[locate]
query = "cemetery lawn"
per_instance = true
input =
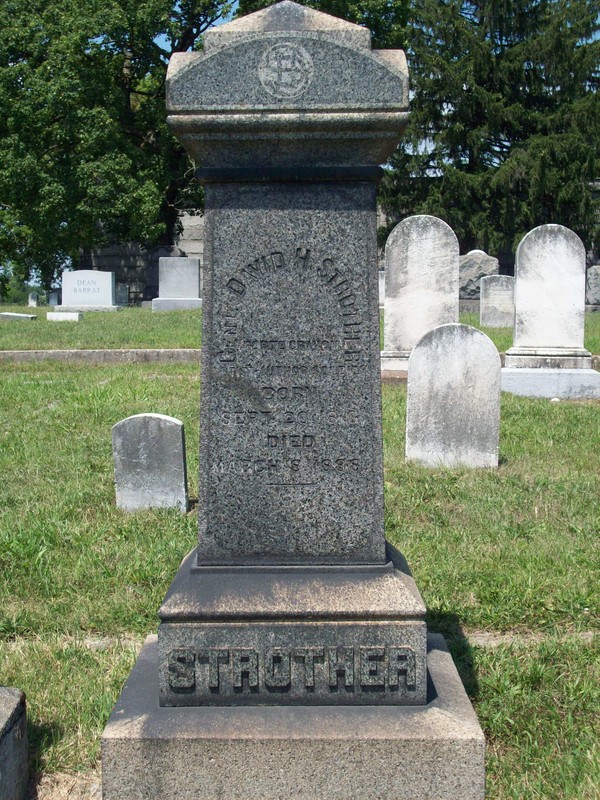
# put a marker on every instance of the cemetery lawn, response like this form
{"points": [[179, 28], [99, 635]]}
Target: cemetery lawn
{"points": [[507, 557], [129, 328], [141, 328]]}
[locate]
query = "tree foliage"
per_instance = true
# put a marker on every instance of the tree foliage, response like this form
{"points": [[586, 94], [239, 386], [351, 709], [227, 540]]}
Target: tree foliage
{"points": [[505, 119], [85, 154], [504, 131]]}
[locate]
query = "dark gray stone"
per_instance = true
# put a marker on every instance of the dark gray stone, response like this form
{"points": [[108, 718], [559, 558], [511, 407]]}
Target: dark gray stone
{"points": [[291, 471], [271, 752], [592, 295], [472, 267], [149, 458], [291, 598], [13, 744], [370, 622]]}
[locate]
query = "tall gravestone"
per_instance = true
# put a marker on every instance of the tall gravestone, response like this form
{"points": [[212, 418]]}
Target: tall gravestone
{"points": [[549, 318], [453, 399], [421, 285], [497, 304], [292, 653]]}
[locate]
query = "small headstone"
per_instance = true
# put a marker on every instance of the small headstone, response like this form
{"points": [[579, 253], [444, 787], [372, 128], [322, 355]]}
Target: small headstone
{"points": [[472, 267], [421, 285], [453, 399], [64, 316], [497, 306], [122, 294], [593, 285], [149, 457], [381, 288], [88, 290], [32, 300], [549, 301], [53, 299], [13, 744], [178, 284], [10, 316]]}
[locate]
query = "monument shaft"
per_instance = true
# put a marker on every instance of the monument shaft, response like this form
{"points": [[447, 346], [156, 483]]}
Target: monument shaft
{"points": [[291, 453]]}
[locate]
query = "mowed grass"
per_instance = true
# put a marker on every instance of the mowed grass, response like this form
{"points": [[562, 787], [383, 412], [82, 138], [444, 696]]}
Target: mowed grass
{"points": [[508, 550], [129, 328], [141, 328]]}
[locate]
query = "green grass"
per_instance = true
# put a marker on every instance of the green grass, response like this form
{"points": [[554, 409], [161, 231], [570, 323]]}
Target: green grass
{"points": [[141, 328], [514, 549], [128, 328]]}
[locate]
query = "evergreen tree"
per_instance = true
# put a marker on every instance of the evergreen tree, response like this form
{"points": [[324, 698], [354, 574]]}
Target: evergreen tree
{"points": [[505, 119]]}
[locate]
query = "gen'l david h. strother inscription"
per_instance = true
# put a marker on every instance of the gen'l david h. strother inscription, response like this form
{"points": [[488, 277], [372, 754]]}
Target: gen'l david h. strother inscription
{"points": [[289, 472]]}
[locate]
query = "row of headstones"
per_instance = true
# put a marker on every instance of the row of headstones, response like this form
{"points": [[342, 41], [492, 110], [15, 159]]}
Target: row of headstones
{"points": [[422, 277], [453, 419], [179, 288]]}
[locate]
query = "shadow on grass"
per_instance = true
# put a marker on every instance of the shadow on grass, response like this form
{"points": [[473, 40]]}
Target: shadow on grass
{"points": [[448, 624], [40, 737]]}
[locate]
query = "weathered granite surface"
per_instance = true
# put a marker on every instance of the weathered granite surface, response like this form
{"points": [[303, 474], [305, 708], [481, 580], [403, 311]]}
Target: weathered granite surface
{"points": [[13, 744], [421, 285], [149, 460], [291, 597], [497, 306], [453, 399], [549, 301], [270, 752], [472, 268]]}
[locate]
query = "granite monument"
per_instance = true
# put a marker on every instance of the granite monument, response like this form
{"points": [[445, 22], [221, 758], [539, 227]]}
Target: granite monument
{"points": [[292, 654]]}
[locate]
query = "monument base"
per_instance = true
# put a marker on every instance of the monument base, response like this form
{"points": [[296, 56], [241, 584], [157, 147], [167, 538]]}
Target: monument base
{"points": [[13, 744], [566, 384], [270, 752], [293, 635], [395, 360], [548, 358], [86, 308], [176, 303]]}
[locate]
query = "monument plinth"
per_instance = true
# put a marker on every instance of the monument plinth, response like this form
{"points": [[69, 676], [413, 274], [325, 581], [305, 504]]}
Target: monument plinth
{"points": [[292, 603]]}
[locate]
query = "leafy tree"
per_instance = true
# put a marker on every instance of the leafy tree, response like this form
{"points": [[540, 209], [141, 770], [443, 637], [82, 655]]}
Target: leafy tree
{"points": [[505, 119], [85, 154]]}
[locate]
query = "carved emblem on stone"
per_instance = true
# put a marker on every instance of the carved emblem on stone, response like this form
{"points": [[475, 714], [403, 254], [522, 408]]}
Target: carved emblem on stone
{"points": [[286, 70]]}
